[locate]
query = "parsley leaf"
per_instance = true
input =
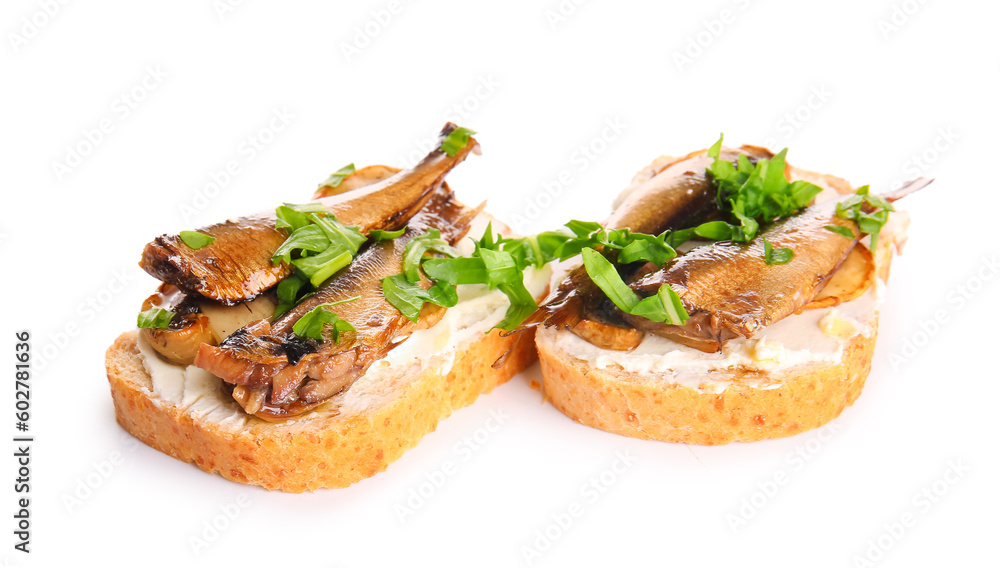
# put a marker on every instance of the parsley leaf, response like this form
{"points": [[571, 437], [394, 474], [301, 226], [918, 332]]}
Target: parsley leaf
{"points": [[313, 323], [291, 291], [420, 245], [777, 256], [456, 140], [752, 195], [665, 306], [379, 235], [317, 246], [196, 240], [337, 177], [409, 298], [461, 270], [490, 264], [647, 248], [871, 212], [840, 230], [158, 318]]}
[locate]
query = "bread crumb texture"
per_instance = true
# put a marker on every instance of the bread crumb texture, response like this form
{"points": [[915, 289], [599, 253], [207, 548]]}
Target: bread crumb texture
{"points": [[643, 406]]}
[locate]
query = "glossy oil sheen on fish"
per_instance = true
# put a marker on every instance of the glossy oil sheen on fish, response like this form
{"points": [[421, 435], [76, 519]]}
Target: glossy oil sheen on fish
{"points": [[728, 289], [297, 374], [237, 265], [678, 196]]}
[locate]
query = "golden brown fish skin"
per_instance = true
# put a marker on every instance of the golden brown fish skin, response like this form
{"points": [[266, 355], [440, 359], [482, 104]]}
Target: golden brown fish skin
{"points": [[181, 341], [360, 178], [675, 198], [237, 265], [730, 291], [300, 373]]}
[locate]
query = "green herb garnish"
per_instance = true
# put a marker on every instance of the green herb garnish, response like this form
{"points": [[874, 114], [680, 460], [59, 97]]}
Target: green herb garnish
{"points": [[870, 222], [499, 263], [313, 323], [840, 230], [418, 246], [291, 291], [777, 255], [456, 140], [337, 177], [157, 318], [490, 264], [631, 247], [522, 304], [409, 298], [462, 270], [664, 307], [379, 235], [292, 217], [318, 245], [535, 250], [752, 195], [196, 240]]}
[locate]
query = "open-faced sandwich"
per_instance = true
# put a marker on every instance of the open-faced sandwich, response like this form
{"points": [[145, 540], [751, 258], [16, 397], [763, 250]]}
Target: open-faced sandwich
{"points": [[729, 297], [312, 346]]}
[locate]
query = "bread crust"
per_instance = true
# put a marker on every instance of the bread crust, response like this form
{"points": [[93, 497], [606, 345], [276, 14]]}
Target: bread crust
{"points": [[647, 407], [305, 455]]}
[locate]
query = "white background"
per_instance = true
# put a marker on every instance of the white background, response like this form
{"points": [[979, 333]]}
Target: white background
{"points": [[926, 85]]}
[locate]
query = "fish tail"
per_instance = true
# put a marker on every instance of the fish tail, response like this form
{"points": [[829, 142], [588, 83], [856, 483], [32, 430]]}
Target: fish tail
{"points": [[909, 187]]}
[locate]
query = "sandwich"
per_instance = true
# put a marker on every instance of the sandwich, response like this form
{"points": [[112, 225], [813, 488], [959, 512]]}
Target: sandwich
{"points": [[728, 297], [311, 346]]}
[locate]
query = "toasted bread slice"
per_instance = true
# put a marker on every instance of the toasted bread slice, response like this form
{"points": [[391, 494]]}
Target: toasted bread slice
{"points": [[187, 413], [755, 389], [345, 441]]}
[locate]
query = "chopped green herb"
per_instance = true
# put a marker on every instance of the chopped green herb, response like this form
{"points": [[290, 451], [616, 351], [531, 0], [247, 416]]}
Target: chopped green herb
{"points": [[456, 140], [500, 267], [157, 318], [535, 250], [196, 240], [647, 248], [870, 212], [840, 230], [313, 323], [408, 297], [292, 217], [499, 263], [324, 265], [379, 235], [603, 273], [461, 270], [751, 194], [632, 247], [522, 304], [404, 295], [337, 177], [490, 264], [418, 246], [777, 255], [665, 306], [340, 235], [291, 291], [718, 231], [308, 238], [317, 246]]}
